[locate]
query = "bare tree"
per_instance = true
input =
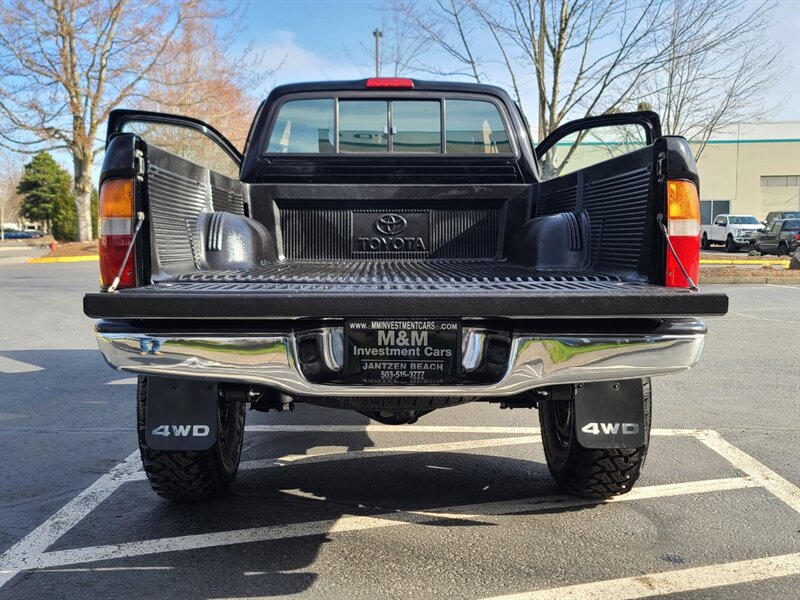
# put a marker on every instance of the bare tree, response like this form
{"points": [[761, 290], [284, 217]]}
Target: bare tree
{"points": [[10, 173], [447, 25], [202, 79], [717, 75], [589, 57], [582, 55], [65, 64], [401, 50]]}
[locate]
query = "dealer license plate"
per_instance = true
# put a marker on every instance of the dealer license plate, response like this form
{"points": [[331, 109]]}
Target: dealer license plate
{"points": [[402, 351]]}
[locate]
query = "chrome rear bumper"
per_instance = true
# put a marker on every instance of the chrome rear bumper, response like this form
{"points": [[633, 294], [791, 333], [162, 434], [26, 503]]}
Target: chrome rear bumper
{"points": [[271, 360]]}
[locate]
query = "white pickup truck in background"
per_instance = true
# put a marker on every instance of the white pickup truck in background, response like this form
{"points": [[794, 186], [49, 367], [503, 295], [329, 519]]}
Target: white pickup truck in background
{"points": [[734, 231]]}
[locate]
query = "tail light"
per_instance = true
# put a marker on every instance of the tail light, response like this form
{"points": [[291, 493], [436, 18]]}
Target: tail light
{"points": [[683, 226], [797, 237], [116, 212], [390, 82]]}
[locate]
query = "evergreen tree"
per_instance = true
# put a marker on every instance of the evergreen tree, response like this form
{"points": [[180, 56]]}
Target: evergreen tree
{"points": [[65, 217], [95, 202], [47, 197]]}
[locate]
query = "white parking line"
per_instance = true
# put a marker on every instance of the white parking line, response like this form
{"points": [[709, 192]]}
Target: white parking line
{"points": [[766, 319], [671, 582], [377, 428], [340, 455], [9, 365], [31, 553], [125, 381], [44, 536], [778, 285], [418, 449], [482, 513], [766, 477]]}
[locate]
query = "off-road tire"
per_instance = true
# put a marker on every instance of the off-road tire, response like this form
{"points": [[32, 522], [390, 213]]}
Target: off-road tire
{"points": [[193, 475], [783, 250], [730, 245], [704, 243], [590, 472]]}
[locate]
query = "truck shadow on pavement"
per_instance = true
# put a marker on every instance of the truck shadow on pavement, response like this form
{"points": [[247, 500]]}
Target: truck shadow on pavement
{"points": [[296, 495], [268, 495]]}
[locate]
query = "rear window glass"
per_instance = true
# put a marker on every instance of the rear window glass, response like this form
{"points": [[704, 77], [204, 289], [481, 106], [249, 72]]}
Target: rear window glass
{"points": [[303, 126], [363, 126], [791, 224], [416, 126], [379, 126], [475, 127]]}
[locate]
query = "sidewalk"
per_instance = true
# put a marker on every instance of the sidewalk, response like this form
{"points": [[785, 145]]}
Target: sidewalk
{"points": [[20, 255]]}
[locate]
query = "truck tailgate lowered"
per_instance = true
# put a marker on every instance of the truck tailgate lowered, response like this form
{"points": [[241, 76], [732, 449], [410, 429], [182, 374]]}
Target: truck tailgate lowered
{"points": [[235, 295]]}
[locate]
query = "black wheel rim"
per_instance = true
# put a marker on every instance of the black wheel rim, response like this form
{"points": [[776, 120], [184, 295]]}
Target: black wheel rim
{"points": [[563, 418]]}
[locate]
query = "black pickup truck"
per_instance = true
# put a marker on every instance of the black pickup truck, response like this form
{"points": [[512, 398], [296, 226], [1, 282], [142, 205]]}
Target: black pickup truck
{"points": [[781, 237], [395, 246]]}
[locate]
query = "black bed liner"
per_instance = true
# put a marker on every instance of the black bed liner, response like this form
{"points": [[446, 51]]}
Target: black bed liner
{"points": [[400, 275], [358, 288]]}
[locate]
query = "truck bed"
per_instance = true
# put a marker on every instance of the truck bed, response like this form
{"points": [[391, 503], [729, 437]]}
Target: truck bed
{"points": [[404, 275], [585, 244]]}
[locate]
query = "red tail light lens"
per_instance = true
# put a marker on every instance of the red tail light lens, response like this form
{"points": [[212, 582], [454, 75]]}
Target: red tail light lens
{"points": [[116, 231], [683, 226], [390, 82]]}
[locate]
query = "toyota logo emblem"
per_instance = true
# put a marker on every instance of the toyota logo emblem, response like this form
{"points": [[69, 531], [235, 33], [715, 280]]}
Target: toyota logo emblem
{"points": [[391, 224]]}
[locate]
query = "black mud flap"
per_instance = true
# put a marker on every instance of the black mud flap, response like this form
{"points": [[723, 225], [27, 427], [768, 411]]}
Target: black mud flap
{"points": [[610, 414], [181, 414]]}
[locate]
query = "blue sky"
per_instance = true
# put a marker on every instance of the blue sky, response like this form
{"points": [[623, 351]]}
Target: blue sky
{"points": [[322, 39], [316, 39]]}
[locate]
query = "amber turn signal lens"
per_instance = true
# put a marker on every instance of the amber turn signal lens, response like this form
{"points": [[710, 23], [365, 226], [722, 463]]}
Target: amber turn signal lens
{"points": [[116, 199], [683, 200]]}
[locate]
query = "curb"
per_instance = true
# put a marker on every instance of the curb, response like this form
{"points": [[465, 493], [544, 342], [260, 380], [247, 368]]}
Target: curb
{"points": [[733, 261], [63, 259], [755, 280]]}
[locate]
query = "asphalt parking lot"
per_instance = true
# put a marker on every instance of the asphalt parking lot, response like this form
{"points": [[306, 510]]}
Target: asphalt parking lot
{"points": [[459, 505]]}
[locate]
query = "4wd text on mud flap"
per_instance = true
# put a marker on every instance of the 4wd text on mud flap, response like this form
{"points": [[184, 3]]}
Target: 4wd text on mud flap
{"points": [[182, 430], [611, 428]]}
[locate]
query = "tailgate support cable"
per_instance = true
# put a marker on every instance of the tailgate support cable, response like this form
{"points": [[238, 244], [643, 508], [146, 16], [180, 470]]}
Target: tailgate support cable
{"points": [[692, 284], [136, 228]]}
